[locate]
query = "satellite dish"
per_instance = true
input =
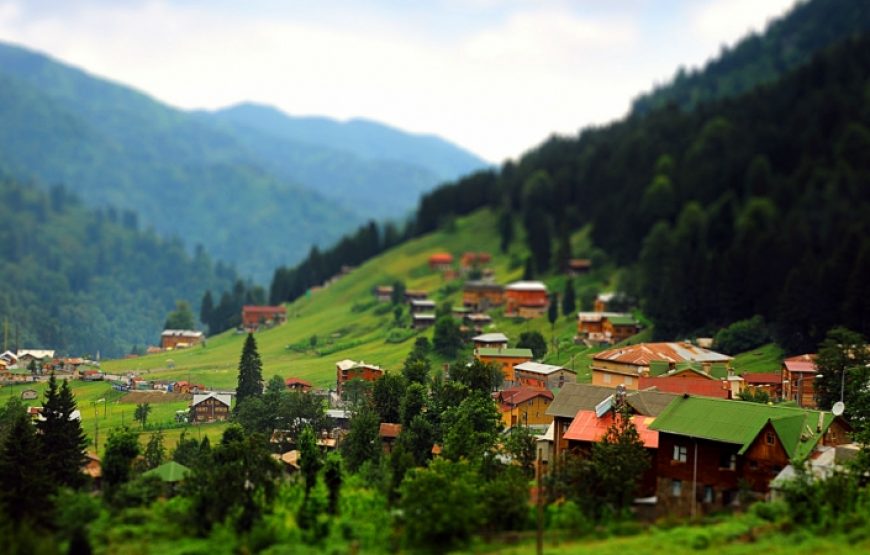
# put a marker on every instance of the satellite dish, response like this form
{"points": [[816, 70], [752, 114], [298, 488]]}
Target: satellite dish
{"points": [[838, 408]]}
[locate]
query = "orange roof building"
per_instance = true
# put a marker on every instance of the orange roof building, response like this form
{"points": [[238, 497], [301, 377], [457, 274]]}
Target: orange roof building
{"points": [[441, 261], [798, 375], [625, 365]]}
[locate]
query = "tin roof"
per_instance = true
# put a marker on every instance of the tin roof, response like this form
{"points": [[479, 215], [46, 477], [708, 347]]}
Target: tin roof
{"points": [[527, 286], [644, 353], [801, 363], [506, 353], [490, 338], [538, 368], [586, 426]]}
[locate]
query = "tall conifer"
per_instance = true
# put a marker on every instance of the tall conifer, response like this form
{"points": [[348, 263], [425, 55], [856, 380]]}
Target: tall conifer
{"points": [[250, 372], [62, 438]]}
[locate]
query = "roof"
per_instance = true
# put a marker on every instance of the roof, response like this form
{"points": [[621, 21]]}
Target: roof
{"points": [[347, 364], [538, 368], [389, 430], [422, 302], [740, 422], [527, 286], [36, 353], [181, 333], [490, 338], [586, 426], [221, 398], [801, 363], [505, 353], [516, 395], [762, 377], [296, 381], [169, 472], [694, 386], [263, 309], [578, 396], [622, 321], [441, 257], [649, 403], [644, 353], [579, 263], [479, 317], [423, 316], [606, 297]]}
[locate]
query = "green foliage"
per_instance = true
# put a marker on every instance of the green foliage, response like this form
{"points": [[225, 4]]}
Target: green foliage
{"points": [[332, 478], [416, 367], [535, 341], [755, 395], [141, 413], [521, 445], [250, 372], [477, 375], [181, 318], [122, 448], [155, 452], [447, 340], [569, 300], [843, 361], [397, 297], [413, 403], [61, 436], [361, 443], [741, 336], [25, 486], [471, 429], [387, 393], [553, 309], [309, 458]]}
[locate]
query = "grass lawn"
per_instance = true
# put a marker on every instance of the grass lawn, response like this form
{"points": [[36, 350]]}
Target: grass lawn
{"points": [[767, 358]]}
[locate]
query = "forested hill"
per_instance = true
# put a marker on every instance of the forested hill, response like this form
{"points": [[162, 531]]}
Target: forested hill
{"points": [[83, 281], [787, 43], [249, 195], [756, 204]]}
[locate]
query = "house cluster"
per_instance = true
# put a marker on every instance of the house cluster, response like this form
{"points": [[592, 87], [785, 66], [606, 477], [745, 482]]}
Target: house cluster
{"points": [[603, 326], [32, 364]]}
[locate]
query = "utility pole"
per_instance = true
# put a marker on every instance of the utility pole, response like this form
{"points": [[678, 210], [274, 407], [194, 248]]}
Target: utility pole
{"points": [[540, 534]]}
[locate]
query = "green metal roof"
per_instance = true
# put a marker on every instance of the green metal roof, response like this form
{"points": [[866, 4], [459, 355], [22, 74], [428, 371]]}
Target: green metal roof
{"points": [[515, 353], [169, 472], [740, 422], [622, 321]]}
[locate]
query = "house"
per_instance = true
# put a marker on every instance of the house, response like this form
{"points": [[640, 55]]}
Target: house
{"points": [[255, 316], [574, 397], [606, 327], [700, 386], [490, 341], [389, 433], [210, 407], [180, 339], [347, 370], [624, 365], [798, 373], [169, 472], [415, 294], [526, 299], [769, 382], [460, 311], [185, 388], [619, 328], [422, 305], [421, 321], [579, 266], [26, 356], [297, 384], [10, 358], [539, 375], [506, 359], [93, 468], [602, 301], [383, 293], [441, 261], [474, 260], [477, 320], [709, 449], [524, 406], [481, 295]]}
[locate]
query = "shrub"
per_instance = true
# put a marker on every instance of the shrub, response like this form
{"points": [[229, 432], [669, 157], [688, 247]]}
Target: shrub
{"points": [[742, 336]]}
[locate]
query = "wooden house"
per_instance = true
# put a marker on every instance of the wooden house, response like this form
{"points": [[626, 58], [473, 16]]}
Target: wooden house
{"points": [[524, 406], [383, 293], [624, 365], [388, 434], [422, 320], [40, 356], [481, 295], [798, 375], [619, 328], [477, 320], [506, 359], [9, 358], [347, 370], [256, 316], [298, 385], [602, 301], [490, 341], [699, 386], [606, 327], [180, 339], [526, 299], [441, 261], [539, 375], [769, 382], [711, 448], [471, 260], [419, 306], [415, 295], [210, 407]]}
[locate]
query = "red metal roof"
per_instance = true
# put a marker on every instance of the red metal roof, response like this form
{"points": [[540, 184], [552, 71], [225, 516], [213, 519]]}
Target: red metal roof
{"points": [[389, 430], [644, 353], [588, 427], [296, 381], [516, 395], [801, 363], [768, 378], [693, 386], [441, 257]]}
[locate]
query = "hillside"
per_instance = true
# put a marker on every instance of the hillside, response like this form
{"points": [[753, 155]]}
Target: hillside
{"points": [[787, 43], [83, 281], [190, 175]]}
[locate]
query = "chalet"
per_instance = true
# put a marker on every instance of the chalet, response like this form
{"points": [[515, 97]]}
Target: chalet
{"points": [[506, 359], [477, 320], [180, 339], [256, 316], [769, 382], [474, 260], [422, 305], [624, 365], [490, 341], [481, 295], [700, 386], [606, 327], [383, 293], [297, 384], [579, 266], [526, 299], [602, 301], [574, 397], [798, 373], [210, 407], [524, 406], [619, 328], [389, 433], [421, 321], [415, 294], [347, 370], [26, 356], [10, 358], [709, 449], [441, 261], [539, 375]]}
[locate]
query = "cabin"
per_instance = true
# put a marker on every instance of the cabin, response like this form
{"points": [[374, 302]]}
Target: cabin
{"points": [[415, 295], [347, 370], [490, 341], [602, 301], [620, 328], [478, 320], [298, 385], [474, 260], [482, 295], [549, 376], [606, 327], [422, 321], [526, 299], [39, 356], [524, 406], [798, 375], [10, 358], [441, 262], [422, 305], [210, 407], [579, 266], [255, 316], [506, 359], [769, 382], [624, 365], [180, 339], [388, 434], [710, 449], [383, 293]]}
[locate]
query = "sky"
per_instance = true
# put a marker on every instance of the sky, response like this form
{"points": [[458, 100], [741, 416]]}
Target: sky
{"points": [[494, 76]]}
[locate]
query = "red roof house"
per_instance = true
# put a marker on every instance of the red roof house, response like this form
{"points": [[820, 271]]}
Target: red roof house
{"points": [[441, 261], [253, 316], [297, 384]]}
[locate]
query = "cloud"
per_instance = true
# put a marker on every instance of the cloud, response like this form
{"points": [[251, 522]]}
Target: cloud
{"points": [[723, 21]]}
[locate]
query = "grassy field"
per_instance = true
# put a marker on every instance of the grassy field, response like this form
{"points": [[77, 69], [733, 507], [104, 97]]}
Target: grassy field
{"points": [[767, 358]]}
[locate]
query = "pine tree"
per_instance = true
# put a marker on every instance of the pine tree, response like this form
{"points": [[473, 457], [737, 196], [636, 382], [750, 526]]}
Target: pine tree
{"points": [[250, 372], [309, 458], [569, 303], [24, 488], [206, 308], [553, 310], [62, 438]]}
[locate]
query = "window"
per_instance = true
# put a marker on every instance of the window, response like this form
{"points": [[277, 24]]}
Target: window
{"points": [[728, 461], [709, 494], [680, 453], [606, 378], [770, 438], [676, 488]]}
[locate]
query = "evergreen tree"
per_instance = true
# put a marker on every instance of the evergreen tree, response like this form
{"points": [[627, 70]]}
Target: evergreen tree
{"points": [[535, 341], [569, 301], [332, 477], [181, 318], [155, 453], [206, 307], [529, 269], [62, 438], [553, 310], [505, 229], [387, 393], [447, 338], [250, 372], [361, 443], [25, 486], [141, 413], [121, 449], [309, 458]]}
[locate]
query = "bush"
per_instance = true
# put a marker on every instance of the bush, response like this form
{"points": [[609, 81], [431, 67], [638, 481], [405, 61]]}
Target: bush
{"points": [[742, 336], [399, 335]]}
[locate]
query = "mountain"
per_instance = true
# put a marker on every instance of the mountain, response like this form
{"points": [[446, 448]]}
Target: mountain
{"points": [[88, 281], [787, 43], [190, 175]]}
